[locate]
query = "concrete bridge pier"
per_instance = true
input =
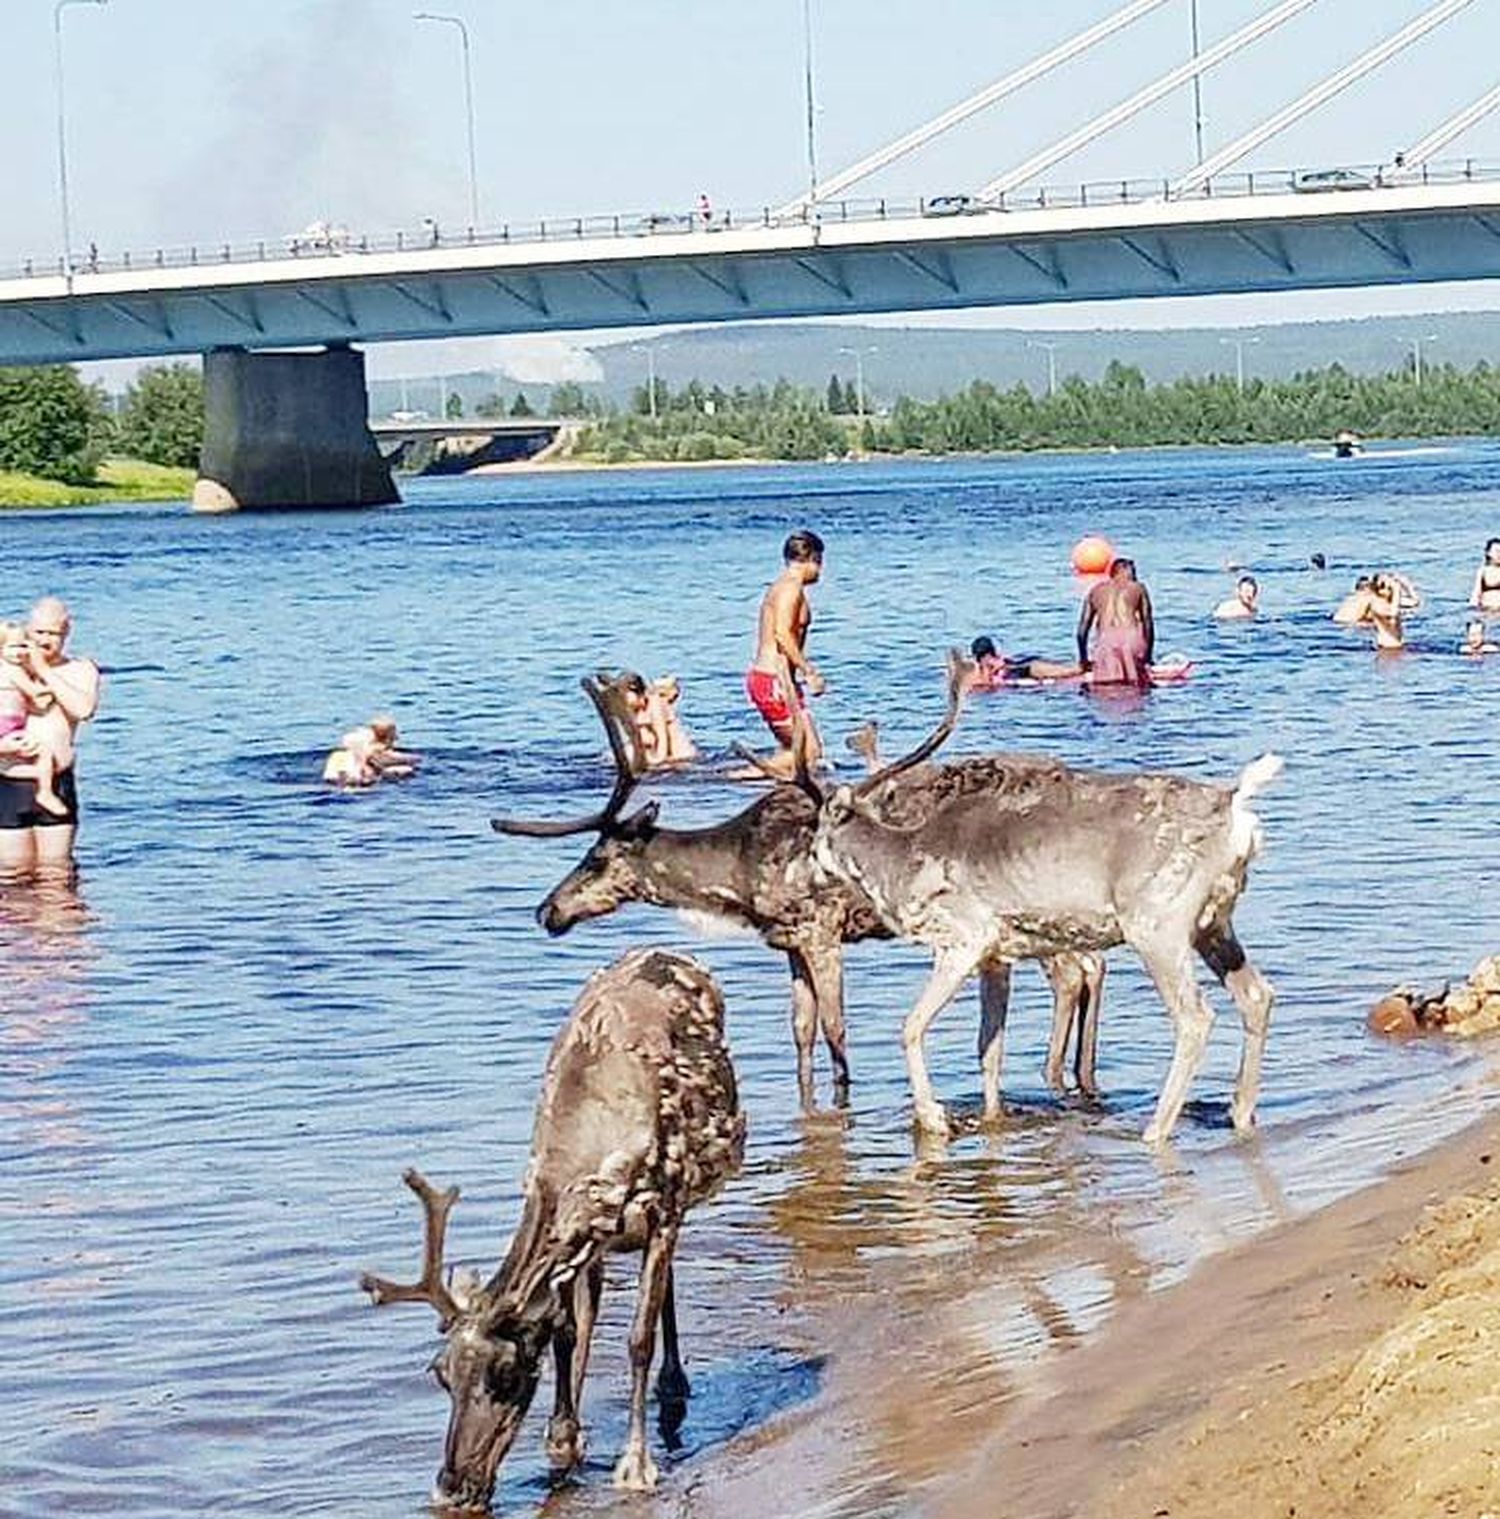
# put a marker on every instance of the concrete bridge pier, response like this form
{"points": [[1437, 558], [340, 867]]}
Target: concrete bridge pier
{"points": [[288, 430]]}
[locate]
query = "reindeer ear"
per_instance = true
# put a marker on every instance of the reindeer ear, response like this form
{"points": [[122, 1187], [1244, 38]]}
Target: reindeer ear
{"points": [[838, 807], [639, 823]]}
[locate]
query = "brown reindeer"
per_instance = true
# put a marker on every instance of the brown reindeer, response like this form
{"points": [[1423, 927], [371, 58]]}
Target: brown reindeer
{"points": [[638, 1121], [757, 871], [1005, 857]]}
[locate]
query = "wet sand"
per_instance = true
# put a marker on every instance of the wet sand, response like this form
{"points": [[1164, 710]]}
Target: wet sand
{"points": [[1346, 1363]]}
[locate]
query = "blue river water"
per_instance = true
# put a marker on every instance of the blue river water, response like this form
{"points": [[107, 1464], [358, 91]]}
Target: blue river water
{"points": [[265, 1000]]}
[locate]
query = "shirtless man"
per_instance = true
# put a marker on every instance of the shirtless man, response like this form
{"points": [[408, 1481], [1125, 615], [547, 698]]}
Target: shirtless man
{"points": [[781, 669], [1243, 604], [32, 840], [1126, 639]]}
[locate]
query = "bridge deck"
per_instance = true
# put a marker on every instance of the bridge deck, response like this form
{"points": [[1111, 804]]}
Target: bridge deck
{"points": [[1391, 233]]}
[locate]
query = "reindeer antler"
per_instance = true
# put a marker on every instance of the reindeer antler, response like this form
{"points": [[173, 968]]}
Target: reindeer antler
{"points": [[960, 681], [619, 728], [431, 1288]]}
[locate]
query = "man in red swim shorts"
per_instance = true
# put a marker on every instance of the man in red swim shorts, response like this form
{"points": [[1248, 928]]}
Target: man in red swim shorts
{"points": [[781, 668]]}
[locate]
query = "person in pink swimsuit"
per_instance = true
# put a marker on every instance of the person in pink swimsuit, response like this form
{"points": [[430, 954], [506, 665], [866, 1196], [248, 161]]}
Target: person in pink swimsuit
{"points": [[1118, 612]]}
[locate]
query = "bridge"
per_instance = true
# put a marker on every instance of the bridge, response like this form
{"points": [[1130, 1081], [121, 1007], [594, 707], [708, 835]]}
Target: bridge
{"points": [[278, 418]]}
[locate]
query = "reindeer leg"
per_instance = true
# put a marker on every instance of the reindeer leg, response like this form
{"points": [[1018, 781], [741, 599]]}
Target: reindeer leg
{"points": [[804, 1023], [1062, 973], [994, 1007], [1192, 1018], [1086, 1060], [1253, 996], [564, 1446], [636, 1471], [565, 1443], [950, 969], [827, 968], [672, 1385]]}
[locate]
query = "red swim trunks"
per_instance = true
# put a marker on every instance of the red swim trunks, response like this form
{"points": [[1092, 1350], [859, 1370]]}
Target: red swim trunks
{"points": [[769, 699]]}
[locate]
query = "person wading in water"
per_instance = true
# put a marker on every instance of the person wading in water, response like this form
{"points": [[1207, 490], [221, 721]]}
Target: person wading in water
{"points": [[1120, 609]]}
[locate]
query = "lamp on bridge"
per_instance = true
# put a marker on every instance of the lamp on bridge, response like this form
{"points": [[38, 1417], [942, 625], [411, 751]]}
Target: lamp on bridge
{"points": [[463, 32], [62, 128]]}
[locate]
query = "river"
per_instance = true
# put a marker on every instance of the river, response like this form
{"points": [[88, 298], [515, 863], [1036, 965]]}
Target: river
{"points": [[265, 1000]]}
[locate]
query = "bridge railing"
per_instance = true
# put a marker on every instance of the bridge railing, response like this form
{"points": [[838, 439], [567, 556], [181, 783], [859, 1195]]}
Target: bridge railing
{"points": [[333, 242]]}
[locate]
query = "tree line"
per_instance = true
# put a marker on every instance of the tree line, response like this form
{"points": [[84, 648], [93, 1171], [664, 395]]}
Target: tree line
{"points": [[54, 425]]}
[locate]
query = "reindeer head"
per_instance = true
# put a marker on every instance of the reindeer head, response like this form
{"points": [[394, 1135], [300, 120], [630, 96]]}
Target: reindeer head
{"points": [[489, 1364], [609, 874]]}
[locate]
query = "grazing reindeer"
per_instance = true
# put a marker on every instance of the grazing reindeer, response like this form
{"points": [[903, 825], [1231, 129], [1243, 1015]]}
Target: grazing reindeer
{"points": [[757, 871], [1005, 857], [637, 1122]]}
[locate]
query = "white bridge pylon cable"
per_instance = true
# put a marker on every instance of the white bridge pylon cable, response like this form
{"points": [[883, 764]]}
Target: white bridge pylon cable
{"points": [[1366, 63], [920, 136], [1440, 136], [1065, 147]]}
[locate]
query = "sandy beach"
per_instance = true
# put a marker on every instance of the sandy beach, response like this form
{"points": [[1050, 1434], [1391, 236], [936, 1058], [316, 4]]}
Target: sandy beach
{"points": [[1344, 1364]]}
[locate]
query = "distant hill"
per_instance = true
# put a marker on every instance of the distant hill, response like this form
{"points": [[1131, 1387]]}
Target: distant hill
{"points": [[925, 362]]}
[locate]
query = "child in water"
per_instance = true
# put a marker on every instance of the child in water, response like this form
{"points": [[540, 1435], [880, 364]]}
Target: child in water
{"points": [[367, 754], [22, 697], [1475, 642]]}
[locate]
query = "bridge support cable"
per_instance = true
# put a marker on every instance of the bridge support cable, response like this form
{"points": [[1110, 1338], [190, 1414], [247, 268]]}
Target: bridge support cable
{"points": [[1320, 93], [1065, 147], [1440, 136], [830, 188]]}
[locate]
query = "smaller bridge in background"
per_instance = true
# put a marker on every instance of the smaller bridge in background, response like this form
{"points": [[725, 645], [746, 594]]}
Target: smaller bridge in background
{"points": [[456, 444]]}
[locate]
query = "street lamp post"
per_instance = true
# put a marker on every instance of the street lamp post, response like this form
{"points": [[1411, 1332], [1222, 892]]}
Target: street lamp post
{"points": [[463, 32], [812, 107], [1239, 359], [857, 354], [1416, 354], [62, 128], [1051, 362]]}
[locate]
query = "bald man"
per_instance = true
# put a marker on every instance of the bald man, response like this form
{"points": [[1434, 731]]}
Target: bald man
{"points": [[32, 840]]}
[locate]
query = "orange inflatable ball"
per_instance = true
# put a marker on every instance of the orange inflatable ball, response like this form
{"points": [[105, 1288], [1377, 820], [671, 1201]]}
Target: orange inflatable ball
{"points": [[1092, 556]]}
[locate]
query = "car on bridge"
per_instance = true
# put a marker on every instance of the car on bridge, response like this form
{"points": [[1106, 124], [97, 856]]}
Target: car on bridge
{"points": [[1315, 180], [663, 221], [955, 205], [318, 237]]}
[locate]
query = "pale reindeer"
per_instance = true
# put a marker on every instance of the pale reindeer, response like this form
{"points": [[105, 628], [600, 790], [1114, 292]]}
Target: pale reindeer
{"points": [[1005, 857], [638, 1121], [757, 871]]}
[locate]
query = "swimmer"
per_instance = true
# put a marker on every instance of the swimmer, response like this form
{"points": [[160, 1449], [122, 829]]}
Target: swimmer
{"points": [[658, 729], [1386, 601], [994, 669], [1475, 642], [23, 698], [1485, 597], [666, 690], [1243, 604], [368, 754], [1120, 607], [1354, 609]]}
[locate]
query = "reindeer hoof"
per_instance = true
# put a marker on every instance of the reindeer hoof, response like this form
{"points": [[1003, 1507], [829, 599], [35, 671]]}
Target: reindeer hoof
{"points": [[933, 1121], [564, 1445], [1244, 1123], [635, 1472]]}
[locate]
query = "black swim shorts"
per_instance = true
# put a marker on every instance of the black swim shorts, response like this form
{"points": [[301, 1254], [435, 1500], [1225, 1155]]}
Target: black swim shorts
{"points": [[18, 808]]}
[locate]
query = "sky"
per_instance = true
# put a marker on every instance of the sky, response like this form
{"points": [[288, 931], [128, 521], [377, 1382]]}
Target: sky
{"points": [[206, 120]]}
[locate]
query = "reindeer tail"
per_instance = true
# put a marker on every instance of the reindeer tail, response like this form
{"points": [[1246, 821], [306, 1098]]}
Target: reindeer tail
{"points": [[1245, 830]]}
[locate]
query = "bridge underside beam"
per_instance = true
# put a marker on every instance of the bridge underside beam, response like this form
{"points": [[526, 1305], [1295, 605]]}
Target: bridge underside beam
{"points": [[288, 430], [1005, 259]]}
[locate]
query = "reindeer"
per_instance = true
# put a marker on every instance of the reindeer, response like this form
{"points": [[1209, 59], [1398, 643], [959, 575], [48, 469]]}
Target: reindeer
{"points": [[1007, 857], [757, 871], [637, 1122]]}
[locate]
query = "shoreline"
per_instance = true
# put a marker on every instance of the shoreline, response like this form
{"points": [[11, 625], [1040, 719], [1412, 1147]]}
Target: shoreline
{"points": [[1250, 1381]]}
